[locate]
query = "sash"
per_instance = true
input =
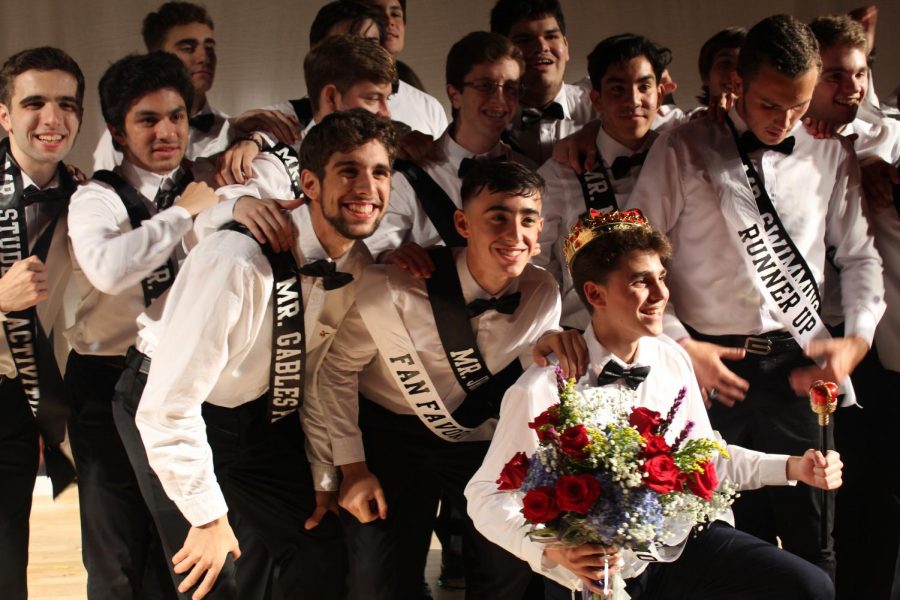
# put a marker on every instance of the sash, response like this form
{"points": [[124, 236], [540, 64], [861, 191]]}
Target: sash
{"points": [[303, 108], [287, 366], [597, 189], [290, 160], [32, 352], [435, 202], [781, 274], [157, 282]]}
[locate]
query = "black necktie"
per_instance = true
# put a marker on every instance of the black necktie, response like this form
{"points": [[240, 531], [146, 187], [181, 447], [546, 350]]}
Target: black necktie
{"points": [[33, 195], [623, 164], [554, 110], [332, 279], [613, 371], [203, 122], [504, 304], [171, 187], [751, 143], [466, 164]]}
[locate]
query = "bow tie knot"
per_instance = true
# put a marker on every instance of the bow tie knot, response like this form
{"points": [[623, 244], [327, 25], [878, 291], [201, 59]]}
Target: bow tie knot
{"points": [[203, 122], [530, 116], [613, 371], [33, 195], [623, 164], [506, 305], [750, 143], [332, 279]]}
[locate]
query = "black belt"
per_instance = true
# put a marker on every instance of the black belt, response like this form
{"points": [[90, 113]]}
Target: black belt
{"points": [[138, 361], [764, 344]]}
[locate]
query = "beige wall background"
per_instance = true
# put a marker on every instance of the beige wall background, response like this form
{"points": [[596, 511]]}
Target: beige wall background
{"points": [[261, 44]]}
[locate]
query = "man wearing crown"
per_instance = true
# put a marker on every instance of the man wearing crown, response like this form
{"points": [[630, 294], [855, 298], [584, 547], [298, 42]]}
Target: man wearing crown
{"points": [[618, 265]]}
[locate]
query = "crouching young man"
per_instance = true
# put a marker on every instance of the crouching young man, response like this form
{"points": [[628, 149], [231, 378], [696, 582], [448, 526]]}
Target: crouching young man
{"points": [[617, 264]]}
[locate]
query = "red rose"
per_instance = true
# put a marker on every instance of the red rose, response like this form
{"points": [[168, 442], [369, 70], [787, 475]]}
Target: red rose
{"points": [[513, 473], [656, 444], [577, 492], [662, 474], [644, 420], [540, 505], [705, 483], [573, 441], [548, 417]]}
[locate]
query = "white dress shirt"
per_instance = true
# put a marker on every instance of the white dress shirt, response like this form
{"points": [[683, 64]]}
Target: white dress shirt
{"points": [[817, 193], [563, 203], [200, 143], [213, 344], [421, 111], [536, 140], [497, 515], [669, 116], [405, 220], [353, 365]]}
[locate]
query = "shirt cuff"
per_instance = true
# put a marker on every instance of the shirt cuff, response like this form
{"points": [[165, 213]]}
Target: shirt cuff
{"points": [[324, 476], [178, 216], [773, 470], [203, 508], [348, 450], [862, 324]]}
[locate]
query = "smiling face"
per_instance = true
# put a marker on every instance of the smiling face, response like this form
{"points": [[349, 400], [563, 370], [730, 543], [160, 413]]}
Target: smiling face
{"points": [[502, 232], [627, 101], [546, 53], [42, 119], [485, 113], [771, 103], [841, 86], [195, 46], [155, 134]]}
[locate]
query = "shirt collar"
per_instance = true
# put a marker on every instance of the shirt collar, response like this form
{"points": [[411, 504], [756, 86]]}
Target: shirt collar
{"points": [[455, 153], [610, 149], [53, 183], [600, 355], [470, 288], [308, 245], [145, 182]]}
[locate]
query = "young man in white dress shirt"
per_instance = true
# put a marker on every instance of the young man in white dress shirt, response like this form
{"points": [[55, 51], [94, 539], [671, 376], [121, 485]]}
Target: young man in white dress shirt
{"points": [[618, 265], [244, 375], [625, 71], [550, 109], [746, 276], [41, 93], [406, 423]]}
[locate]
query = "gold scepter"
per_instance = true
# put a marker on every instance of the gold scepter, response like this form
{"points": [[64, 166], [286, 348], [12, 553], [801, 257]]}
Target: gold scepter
{"points": [[823, 399]]}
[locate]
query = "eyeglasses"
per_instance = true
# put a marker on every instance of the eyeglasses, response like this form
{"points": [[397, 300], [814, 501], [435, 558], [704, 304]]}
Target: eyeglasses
{"points": [[511, 89]]}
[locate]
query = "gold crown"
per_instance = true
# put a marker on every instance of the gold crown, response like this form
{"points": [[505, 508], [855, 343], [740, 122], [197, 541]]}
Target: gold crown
{"points": [[592, 225]]}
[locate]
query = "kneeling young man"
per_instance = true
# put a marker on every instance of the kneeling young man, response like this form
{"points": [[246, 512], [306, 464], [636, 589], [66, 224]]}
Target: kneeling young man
{"points": [[617, 264]]}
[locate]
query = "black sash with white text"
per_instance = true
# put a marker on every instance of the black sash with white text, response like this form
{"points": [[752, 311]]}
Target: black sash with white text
{"points": [[157, 282], [484, 389], [597, 189], [435, 202], [290, 160]]}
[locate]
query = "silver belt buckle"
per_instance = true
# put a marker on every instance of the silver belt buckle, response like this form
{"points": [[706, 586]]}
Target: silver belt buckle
{"points": [[758, 345]]}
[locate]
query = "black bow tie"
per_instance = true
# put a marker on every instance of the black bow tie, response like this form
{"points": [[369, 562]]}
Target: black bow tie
{"points": [[623, 164], [203, 122], [751, 143], [33, 195], [613, 371], [466, 164], [332, 279], [172, 187], [554, 110], [504, 304]]}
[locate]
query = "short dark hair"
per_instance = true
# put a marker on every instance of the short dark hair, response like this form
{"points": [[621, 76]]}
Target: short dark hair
{"points": [[157, 24], [622, 48], [343, 61], [597, 259], [355, 11], [44, 58], [402, 6], [839, 30], [344, 131], [505, 177], [507, 13], [476, 48], [781, 42], [732, 37], [129, 79]]}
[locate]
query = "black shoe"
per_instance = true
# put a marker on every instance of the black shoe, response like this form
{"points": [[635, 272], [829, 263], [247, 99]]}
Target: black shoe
{"points": [[426, 591]]}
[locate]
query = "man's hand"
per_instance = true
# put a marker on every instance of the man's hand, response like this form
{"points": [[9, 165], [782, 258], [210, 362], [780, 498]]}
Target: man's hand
{"points": [[76, 173], [841, 356], [816, 470], [196, 198], [268, 220], [24, 285], [570, 350], [877, 179], [579, 150], [286, 128], [411, 257], [360, 490], [719, 106], [205, 550], [235, 165], [820, 129], [712, 374], [415, 146], [586, 561], [325, 502]]}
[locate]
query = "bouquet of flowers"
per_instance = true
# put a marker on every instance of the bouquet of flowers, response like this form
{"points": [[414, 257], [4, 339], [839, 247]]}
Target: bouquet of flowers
{"points": [[610, 474]]}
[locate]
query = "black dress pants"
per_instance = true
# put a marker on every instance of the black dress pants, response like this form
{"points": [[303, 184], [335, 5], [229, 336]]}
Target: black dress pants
{"points": [[265, 477], [120, 546], [19, 457], [387, 557]]}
